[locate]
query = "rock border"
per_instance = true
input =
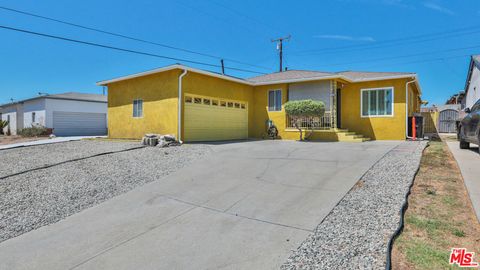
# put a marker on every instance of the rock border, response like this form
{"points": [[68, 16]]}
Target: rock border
{"points": [[357, 233]]}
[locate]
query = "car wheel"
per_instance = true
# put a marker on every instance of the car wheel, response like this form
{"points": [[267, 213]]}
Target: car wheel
{"points": [[478, 143], [463, 143]]}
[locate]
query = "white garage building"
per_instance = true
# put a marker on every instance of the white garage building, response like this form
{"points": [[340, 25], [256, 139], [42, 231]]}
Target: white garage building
{"points": [[68, 114]]}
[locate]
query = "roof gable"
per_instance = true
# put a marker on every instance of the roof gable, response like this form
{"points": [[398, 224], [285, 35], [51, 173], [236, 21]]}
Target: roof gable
{"points": [[290, 76]]}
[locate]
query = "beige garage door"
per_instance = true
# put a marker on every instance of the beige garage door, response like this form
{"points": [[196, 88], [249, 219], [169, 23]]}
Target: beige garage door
{"points": [[214, 119]]}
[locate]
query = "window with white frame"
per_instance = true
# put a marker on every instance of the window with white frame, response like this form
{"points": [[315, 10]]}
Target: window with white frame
{"points": [[275, 100], [377, 102], [138, 108]]}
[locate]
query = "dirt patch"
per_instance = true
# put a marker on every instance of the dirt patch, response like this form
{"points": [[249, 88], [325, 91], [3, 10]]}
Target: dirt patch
{"points": [[18, 139], [439, 216]]}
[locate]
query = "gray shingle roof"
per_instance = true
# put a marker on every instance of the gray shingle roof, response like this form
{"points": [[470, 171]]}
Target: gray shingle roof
{"points": [[289, 75], [79, 96], [67, 96], [306, 74], [476, 59], [362, 75]]}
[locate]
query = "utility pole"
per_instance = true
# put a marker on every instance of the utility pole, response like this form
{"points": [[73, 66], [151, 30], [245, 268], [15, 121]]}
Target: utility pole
{"points": [[280, 48]]}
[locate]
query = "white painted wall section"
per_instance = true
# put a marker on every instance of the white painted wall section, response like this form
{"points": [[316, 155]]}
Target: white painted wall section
{"points": [[11, 114], [36, 107], [59, 105]]}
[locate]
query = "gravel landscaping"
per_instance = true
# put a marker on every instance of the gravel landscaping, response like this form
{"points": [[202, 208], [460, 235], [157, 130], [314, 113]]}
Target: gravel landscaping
{"points": [[41, 197], [27, 158], [356, 233]]}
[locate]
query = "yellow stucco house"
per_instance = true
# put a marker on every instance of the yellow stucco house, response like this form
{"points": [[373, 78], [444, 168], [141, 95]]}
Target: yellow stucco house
{"points": [[199, 105]]}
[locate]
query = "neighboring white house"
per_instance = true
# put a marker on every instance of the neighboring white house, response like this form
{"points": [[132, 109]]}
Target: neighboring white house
{"points": [[472, 85], [68, 114]]}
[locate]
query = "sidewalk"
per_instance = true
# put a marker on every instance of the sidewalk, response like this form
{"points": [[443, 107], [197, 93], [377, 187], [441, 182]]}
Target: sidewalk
{"points": [[47, 141], [469, 162]]}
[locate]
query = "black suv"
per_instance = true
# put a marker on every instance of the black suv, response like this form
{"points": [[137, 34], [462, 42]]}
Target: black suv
{"points": [[469, 127]]}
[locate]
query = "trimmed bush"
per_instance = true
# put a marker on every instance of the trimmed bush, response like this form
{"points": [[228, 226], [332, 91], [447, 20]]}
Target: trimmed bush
{"points": [[303, 108], [297, 109], [33, 131]]}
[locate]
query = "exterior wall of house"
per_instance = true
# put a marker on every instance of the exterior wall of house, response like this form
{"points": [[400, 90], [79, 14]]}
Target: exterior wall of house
{"points": [[34, 106], [413, 100], [262, 114], [64, 105], [15, 114], [473, 91], [159, 93], [378, 128]]}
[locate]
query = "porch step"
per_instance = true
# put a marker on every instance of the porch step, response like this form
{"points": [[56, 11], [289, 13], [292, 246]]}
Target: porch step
{"points": [[344, 135]]}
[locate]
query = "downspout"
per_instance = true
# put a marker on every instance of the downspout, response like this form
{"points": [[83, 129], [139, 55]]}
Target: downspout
{"points": [[180, 101], [406, 108]]}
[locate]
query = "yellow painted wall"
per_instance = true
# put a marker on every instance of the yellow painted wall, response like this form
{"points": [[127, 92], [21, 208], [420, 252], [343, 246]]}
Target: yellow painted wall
{"points": [[261, 113], [377, 128], [159, 93]]}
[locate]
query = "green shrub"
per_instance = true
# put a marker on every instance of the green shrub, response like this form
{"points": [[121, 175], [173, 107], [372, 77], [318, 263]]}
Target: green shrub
{"points": [[33, 131], [3, 124], [297, 109], [303, 108]]}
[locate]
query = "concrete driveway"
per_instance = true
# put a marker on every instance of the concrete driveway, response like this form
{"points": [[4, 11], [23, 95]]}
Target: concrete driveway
{"points": [[247, 206]]}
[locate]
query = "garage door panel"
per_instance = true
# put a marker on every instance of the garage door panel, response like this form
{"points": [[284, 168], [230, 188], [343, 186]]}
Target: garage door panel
{"points": [[210, 122], [79, 124]]}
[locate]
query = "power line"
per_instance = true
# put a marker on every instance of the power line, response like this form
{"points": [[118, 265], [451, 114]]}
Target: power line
{"points": [[405, 56], [430, 60], [124, 50], [241, 14], [395, 42], [129, 37]]}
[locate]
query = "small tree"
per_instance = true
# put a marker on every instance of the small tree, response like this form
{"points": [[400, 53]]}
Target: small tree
{"points": [[299, 109], [3, 124]]}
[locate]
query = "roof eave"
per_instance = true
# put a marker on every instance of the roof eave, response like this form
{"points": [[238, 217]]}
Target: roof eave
{"points": [[405, 76], [172, 67], [301, 80]]}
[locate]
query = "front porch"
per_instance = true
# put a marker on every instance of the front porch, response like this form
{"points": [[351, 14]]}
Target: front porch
{"points": [[328, 127]]}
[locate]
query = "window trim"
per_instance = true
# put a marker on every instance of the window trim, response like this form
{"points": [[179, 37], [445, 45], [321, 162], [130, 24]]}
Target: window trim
{"points": [[274, 98], [377, 88], [133, 105]]}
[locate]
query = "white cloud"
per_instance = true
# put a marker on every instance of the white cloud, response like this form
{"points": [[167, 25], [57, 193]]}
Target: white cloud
{"points": [[438, 8], [343, 37]]}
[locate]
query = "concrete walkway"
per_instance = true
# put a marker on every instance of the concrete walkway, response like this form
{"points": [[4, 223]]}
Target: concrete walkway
{"points": [[47, 141], [469, 162], [246, 206]]}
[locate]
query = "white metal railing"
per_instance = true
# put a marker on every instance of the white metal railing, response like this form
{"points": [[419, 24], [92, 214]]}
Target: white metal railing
{"points": [[318, 123]]}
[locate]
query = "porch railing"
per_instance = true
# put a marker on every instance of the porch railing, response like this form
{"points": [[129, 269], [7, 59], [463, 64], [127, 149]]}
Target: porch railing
{"points": [[318, 123]]}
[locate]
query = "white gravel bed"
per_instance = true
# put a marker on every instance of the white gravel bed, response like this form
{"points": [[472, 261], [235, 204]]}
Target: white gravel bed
{"points": [[356, 233], [41, 197], [17, 160]]}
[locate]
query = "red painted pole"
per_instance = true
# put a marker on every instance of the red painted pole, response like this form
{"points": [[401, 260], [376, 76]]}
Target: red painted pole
{"points": [[414, 129]]}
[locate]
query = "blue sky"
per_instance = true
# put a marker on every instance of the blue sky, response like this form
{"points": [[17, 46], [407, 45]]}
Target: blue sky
{"points": [[240, 30]]}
